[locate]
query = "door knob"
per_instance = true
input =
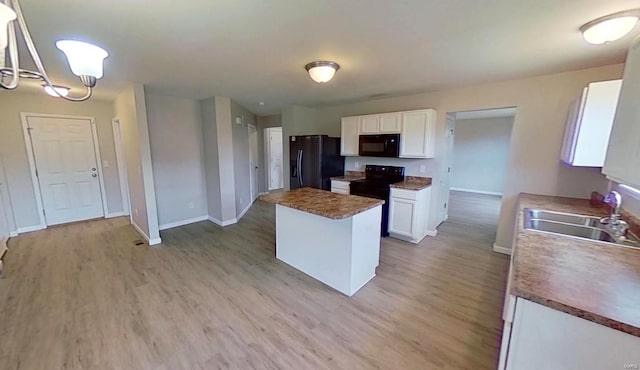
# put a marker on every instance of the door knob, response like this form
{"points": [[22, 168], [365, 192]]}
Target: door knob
{"points": [[93, 169], [94, 175]]}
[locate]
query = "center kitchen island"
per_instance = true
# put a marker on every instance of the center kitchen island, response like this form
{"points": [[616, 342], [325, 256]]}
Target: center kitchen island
{"points": [[334, 238]]}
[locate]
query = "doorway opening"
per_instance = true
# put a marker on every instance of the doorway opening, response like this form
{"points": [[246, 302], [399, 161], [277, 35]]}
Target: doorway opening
{"points": [[273, 158], [66, 167], [478, 145]]}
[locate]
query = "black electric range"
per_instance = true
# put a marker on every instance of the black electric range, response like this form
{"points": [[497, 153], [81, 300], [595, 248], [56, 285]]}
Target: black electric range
{"points": [[376, 185]]}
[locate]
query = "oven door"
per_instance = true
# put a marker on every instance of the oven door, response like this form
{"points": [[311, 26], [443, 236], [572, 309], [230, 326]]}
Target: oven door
{"points": [[379, 145]]}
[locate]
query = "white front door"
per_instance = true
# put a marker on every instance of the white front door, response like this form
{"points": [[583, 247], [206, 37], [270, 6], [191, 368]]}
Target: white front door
{"points": [[253, 161], [66, 168], [276, 179]]}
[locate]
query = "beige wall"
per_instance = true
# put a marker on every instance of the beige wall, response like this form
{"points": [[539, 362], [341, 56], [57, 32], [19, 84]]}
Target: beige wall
{"points": [[13, 150], [175, 133], [300, 120], [534, 165], [480, 154], [130, 108]]}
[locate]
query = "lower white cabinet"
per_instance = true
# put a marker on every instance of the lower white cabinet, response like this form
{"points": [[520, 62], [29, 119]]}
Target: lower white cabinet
{"points": [[544, 338], [340, 187], [409, 214]]}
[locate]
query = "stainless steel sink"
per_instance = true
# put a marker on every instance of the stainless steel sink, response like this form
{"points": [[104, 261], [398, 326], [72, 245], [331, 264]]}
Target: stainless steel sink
{"points": [[567, 218], [578, 226]]}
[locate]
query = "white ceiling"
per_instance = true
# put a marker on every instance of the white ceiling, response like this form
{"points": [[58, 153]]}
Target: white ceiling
{"points": [[255, 50]]}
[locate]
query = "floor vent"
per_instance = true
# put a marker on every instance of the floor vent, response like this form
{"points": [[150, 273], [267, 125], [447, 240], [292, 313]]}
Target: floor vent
{"points": [[138, 242]]}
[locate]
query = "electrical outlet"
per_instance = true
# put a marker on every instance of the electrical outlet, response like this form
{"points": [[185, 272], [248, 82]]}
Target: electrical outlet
{"points": [[423, 168], [191, 205], [357, 165]]}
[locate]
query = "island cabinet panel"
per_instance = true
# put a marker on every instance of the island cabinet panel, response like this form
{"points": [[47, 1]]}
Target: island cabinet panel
{"points": [[341, 253], [340, 187], [418, 136], [544, 338], [349, 136], [409, 214]]}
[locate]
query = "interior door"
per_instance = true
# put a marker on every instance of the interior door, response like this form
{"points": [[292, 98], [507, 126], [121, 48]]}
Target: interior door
{"points": [[445, 184], [276, 179], [66, 167], [253, 161]]}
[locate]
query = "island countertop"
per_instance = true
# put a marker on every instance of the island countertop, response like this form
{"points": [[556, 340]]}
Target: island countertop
{"points": [[596, 281], [323, 203]]}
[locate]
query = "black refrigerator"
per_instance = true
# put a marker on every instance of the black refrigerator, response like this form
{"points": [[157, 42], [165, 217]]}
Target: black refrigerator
{"points": [[313, 160]]}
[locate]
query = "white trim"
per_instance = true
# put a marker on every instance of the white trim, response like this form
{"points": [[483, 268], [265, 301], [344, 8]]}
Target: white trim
{"points": [[171, 225], [476, 191], [114, 214], [431, 233], [244, 211], [29, 229], [253, 170], [24, 117], [263, 193], [122, 165], [222, 223], [155, 241], [13, 234], [503, 250]]}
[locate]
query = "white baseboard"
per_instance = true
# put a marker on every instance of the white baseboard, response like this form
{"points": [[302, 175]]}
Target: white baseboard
{"points": [[244, 211], [29, 229], [115, 214], [476, 191], [265, 192], [503, 250], [139, 230], [222, 223], [13, 234], [431, 233], [171, 225], [155, 241]]}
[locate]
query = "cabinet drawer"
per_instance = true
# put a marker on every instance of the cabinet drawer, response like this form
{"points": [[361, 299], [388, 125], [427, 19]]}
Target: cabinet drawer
{"points": [[404, 194], [344, 185]]}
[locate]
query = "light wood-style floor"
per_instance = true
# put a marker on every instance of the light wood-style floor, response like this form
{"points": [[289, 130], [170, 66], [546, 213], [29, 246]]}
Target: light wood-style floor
{"points": [[83, 296]]}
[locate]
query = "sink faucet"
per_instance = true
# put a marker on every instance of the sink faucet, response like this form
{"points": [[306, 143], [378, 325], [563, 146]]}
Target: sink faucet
{"points": [[613, 224]]}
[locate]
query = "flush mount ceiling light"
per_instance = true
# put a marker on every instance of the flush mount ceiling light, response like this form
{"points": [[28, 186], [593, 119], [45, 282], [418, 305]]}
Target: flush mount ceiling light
{"points": [[84, 59], [610, 27], [322, 71], [56, 90]]}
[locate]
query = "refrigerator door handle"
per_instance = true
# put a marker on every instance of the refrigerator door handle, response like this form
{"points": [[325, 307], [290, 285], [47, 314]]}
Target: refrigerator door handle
{"points": [[300, 152]]}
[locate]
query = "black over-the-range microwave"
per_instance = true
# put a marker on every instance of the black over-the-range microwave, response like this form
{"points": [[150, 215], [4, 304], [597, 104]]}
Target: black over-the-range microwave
{"points": [[387, 145]]}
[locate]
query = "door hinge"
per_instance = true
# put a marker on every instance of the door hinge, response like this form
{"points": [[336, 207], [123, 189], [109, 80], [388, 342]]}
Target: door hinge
{"points": [[29, 130], [449, 169], [36, 173], [445, 205], [43, 212]]}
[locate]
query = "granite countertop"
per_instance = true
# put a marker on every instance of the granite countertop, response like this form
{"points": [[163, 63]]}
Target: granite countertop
{"points": [[413, 183], [350, 176], [596, 281], [323, 203]]}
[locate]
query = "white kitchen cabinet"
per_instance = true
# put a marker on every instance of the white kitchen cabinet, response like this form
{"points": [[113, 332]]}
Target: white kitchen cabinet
{"points": [[349, 136], [418, 135], [370, 125], [391, 123], [340, 187], [622, 163], [544, 338], [589, 124], [409, 214]]}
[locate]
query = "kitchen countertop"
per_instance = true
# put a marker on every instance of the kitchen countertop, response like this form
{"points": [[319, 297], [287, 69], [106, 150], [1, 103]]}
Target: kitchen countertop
{"points": [[413, 183], [322, 203], [350, 176], [596, 281]]}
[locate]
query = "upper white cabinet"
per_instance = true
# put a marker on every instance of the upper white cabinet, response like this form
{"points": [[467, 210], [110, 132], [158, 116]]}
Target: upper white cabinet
{"points": [[418, 135], [390, 123], [417, 131], [622, 163], [586, 135], [370, 124], [349, 136]]}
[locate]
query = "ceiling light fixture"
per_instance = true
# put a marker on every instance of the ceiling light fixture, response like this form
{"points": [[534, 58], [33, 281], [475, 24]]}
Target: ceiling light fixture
{"points": [[322, 71], [610, 27], [56, 90], [85, 60]]}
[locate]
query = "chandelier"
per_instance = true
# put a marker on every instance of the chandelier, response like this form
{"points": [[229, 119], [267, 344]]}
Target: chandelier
{"points": [[85, 60]]}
